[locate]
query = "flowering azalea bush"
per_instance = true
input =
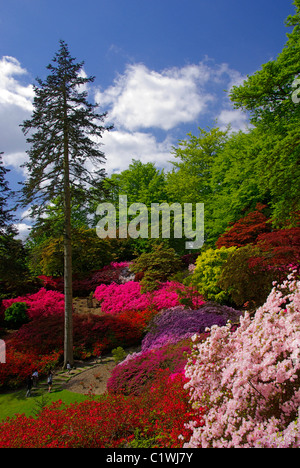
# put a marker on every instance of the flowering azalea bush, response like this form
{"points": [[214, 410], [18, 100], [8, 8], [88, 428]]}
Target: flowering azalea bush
{"points": [[20, 363], [93, 335], [46, 335], [249, 380], [115, 298], [41, 304], [153, 419], [173, 325], [139, 370]]}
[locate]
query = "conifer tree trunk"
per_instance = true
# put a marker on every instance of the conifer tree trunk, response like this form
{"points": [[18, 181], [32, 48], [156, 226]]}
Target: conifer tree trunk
{"points": [[68, 329], [64, 123]]}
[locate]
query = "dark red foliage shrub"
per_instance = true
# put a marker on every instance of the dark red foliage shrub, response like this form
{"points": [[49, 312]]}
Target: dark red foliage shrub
{"points": [[246, 230], [279, 249], [190, 258], [82, 286]]}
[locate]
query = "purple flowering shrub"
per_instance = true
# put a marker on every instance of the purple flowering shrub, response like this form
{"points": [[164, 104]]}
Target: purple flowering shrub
{"points": [[172, 325]]}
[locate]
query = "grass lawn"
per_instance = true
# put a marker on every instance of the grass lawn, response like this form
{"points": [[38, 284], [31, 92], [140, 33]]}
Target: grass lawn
{"points": [[16, 402]]}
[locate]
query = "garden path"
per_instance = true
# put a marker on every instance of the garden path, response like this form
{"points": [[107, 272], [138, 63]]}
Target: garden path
{"points": [[86, 377]]}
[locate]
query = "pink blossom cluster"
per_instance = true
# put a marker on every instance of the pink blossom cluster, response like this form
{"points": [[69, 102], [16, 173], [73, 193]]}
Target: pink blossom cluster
{"points": [[115, 298], [249, 380], [116, 265], [41, 304]]}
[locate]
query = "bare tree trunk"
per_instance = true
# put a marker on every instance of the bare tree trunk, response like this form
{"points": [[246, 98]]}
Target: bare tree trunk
{"points": [[68, 290]]}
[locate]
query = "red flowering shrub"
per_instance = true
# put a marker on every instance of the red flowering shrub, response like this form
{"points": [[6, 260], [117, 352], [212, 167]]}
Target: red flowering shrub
{"points": [[155, 419], [46, 335], [21, 363], [93, 335]]}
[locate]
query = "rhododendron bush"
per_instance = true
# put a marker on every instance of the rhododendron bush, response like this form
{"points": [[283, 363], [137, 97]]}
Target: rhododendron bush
{"points": [[42, 339], [21, 363], [41, 304], [173, 325], [249, 380], [116, 298], [115, 272], [154, 419], [139, 370]]}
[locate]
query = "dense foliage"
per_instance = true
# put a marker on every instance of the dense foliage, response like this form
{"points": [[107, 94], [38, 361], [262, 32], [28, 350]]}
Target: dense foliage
{"points": [[156, 267], [207, 274]]}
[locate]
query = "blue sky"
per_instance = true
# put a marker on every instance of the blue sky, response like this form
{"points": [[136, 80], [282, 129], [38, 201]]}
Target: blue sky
{"points": [[161, 66]]}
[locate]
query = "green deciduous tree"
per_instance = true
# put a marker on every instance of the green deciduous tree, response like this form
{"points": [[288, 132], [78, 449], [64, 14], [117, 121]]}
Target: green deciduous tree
{"points": [[269, 96], [189, 182], [64, 135]]}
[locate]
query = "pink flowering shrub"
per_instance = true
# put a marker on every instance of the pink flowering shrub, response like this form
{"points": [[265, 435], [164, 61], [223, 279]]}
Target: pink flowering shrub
{"points": [[249, 380], [115, 298], [41, 304]]}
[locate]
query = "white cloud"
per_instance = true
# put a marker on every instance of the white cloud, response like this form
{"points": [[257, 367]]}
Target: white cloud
{"points": [[15, 160], [143, 98], [139, 102], [15, 106], [123, 146], [11, 91], [236, 118], [23, 231]]}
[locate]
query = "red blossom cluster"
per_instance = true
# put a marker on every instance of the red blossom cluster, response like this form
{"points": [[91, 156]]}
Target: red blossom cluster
{"points": [[157, 418], [21, 363]]}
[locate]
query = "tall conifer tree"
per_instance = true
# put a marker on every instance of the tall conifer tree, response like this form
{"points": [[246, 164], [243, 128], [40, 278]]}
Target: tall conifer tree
{"points": [[64, 135], [6, 217]]}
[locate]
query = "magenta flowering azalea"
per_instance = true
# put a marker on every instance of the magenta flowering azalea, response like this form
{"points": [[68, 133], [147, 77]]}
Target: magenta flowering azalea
{"points": [[41, 304], [115, 298]]}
